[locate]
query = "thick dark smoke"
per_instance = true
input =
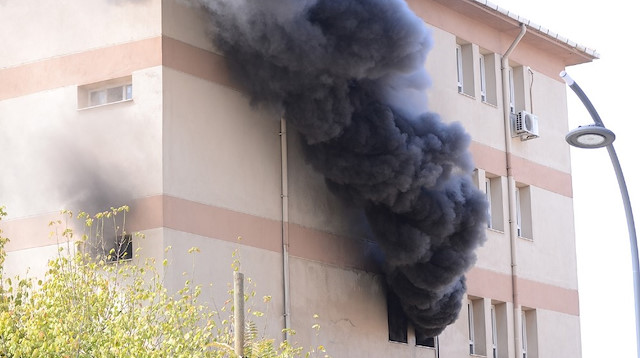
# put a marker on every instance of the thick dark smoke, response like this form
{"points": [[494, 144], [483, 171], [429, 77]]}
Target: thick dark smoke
{"points": [[344, 74]]}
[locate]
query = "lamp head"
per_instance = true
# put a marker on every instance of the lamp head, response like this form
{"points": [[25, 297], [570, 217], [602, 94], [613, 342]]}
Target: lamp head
{"points": [[590, 136]]}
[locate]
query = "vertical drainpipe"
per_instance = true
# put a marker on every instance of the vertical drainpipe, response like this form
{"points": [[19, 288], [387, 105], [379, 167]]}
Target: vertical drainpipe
{"points": [[284, 195], [511, 192]]}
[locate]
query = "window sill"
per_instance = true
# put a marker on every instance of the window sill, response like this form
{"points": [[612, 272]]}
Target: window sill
{"points": [[495, 230], [106, 104], [467, 95], [525, 238], [490, 104]]}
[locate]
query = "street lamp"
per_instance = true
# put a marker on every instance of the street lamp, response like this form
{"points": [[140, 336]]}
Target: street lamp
{"points": [[597, 136]]}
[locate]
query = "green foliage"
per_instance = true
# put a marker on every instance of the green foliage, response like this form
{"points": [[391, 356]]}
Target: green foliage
{"points": [[89, 305]]}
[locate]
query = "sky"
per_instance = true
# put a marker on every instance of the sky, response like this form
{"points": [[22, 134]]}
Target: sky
{"points": [[604, 261]]}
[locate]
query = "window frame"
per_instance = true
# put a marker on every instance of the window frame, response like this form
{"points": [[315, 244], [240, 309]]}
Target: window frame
{"points": [[487, 188], [459, 68], [494, 331], [126, 94], [523, 337], [512, 91], [483, 78], [518, 212], [112, 91], [471, 323]]}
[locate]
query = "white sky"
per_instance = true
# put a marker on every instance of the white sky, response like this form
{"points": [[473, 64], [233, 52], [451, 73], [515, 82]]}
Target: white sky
{"points": [[604, 263]]}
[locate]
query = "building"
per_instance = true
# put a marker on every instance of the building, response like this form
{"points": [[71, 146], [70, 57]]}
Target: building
{"points": [[128, 100]]}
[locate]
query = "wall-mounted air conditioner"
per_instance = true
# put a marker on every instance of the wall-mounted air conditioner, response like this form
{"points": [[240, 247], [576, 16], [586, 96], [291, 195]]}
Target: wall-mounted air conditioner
{"points": [[524, 125]]}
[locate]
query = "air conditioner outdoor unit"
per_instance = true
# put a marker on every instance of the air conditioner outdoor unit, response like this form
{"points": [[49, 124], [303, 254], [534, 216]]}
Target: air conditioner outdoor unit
{"points": [[524, 125]]}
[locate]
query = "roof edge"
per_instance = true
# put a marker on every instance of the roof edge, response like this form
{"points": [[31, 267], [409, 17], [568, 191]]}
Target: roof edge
{"points": [[540, 29]]}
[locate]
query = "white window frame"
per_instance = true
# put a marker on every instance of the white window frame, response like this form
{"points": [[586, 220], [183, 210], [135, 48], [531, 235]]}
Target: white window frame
{"points": [[487, 188], [512, 91], [459, 68], [472, 343], [524, 334], [126, 94], [494, 332], [483, 79], [518, 212]]}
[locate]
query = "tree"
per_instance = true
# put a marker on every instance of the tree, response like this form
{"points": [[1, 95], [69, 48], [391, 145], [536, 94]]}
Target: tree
{"points": [[93, 303]]}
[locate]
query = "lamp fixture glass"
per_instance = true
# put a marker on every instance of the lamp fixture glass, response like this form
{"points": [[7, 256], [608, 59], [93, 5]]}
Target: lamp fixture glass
{"points": [[590, 136]]}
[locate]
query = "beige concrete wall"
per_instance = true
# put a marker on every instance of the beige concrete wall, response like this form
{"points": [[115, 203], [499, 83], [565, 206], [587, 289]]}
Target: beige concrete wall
{"points": [[212, 268], [550, 257], [352, 312], [217, 150], [187, 23], [34, 30]]}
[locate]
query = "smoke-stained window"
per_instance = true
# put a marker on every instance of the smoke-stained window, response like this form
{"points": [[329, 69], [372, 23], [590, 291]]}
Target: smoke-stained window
{"points": [[425, 340], [397, 320]]}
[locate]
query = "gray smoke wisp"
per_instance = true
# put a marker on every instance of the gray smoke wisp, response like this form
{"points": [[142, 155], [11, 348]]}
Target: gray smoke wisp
{"points": [[345, 75]]}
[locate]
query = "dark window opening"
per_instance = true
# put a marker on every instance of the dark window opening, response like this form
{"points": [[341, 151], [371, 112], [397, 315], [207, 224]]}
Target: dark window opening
{"points": [[425, 339], [397, 320]]}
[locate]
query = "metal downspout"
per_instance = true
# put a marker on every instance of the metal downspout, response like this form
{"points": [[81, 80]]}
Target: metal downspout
{"points": [[284, 194], [511, 192]]}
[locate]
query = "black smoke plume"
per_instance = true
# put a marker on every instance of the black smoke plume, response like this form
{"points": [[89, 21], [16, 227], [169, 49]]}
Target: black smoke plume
{"points": [[345, 74]]}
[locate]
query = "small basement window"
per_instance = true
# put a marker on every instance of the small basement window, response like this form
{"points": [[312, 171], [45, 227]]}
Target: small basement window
{"points": [[105, 92], [122, 249]]}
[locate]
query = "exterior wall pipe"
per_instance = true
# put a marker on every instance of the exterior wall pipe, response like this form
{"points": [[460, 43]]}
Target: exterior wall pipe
{"points": [[284, 194], [511, 192]]}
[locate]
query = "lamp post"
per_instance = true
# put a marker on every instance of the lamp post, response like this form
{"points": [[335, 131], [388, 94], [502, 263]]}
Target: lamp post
{"points": [[597, 136]]}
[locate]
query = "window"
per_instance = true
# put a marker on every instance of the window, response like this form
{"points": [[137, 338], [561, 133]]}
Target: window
{"points": [[519, 89], [523, 212], [105, 92], [512, 91], [465, 68], [476, 322], [425, 341], [488, 65], [518, 213], [494, 332], [487, 193], [397, 320], [493, 193], [110, 95], [399, 325], [524, 335], [471, 323], [483, 79], [529, 334], [499, 333], [459, 69], [122, 249]]}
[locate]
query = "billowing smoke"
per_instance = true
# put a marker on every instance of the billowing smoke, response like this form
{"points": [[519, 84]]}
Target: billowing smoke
{"points": [[345, 74]]}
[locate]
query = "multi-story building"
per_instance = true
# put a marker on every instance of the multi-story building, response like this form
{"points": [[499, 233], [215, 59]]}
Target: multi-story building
{"points": [[114, 101]]}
